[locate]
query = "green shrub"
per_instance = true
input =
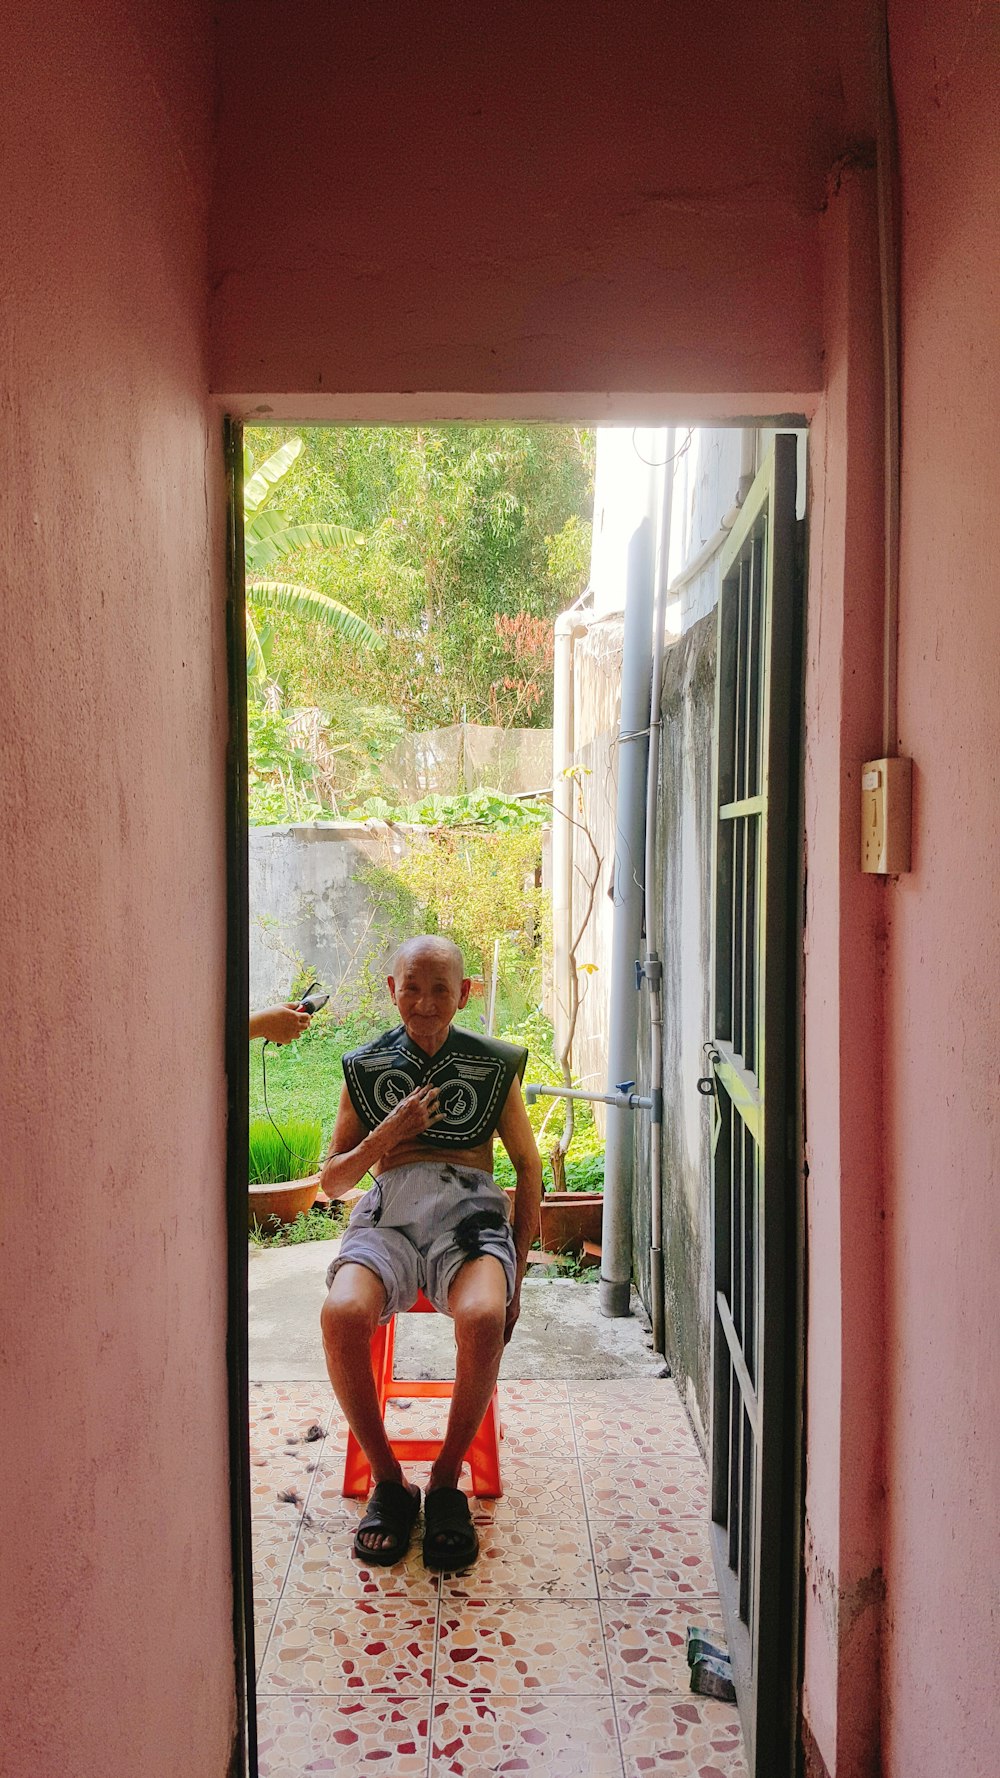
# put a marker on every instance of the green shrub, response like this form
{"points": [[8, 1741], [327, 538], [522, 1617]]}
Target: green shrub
{"points": [[289, 1150], [316, 1224], [586, 1174]]}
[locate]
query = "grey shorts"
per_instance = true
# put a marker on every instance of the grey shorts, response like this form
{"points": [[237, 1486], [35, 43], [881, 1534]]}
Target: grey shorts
{"points": [[419, 1224]]}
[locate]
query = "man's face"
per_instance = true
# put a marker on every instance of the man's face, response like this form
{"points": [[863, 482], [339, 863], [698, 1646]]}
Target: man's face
{"points": [[428, 993]]}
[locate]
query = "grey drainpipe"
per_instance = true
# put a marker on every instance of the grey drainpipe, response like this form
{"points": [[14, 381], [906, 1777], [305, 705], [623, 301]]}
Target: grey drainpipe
{"points": [[633, 749], [652, 966]]}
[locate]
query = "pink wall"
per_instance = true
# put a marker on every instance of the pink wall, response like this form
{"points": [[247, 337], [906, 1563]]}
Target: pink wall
{"points": [[116, 1628], [538, 200], [843, 1009], [527, 214], [943, 1137]]}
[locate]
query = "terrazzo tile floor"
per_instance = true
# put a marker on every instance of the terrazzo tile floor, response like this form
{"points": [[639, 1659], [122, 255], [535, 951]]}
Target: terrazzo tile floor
{"points": [[560, 1653]]}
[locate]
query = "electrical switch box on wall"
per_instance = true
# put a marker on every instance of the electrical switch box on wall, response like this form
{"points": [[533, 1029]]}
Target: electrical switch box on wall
{"points": [[885, 815]]}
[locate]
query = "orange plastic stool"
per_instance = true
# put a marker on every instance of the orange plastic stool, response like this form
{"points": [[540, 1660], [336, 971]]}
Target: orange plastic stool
{"points": [[483, 1455]]}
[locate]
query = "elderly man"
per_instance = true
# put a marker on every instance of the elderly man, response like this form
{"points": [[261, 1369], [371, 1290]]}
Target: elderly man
{"points": [[419, 1110]]}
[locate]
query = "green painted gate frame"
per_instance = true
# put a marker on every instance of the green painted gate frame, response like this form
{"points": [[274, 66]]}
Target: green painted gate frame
{"points": [[757, 1222]]}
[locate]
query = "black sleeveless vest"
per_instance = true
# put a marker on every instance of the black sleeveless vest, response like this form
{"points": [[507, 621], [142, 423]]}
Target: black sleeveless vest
{"points": [[473, 1076]]}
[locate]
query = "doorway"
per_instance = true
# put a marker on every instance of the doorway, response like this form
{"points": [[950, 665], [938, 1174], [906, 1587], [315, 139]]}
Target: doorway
{"points": [[586, 1427]]}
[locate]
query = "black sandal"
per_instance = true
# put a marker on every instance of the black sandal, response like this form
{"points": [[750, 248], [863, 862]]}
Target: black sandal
{"points": [[392, 1509], [446, 1514]]}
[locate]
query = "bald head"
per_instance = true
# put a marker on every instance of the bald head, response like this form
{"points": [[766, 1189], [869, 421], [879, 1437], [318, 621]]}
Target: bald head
{"points": [[431, 948], [428, 985]]}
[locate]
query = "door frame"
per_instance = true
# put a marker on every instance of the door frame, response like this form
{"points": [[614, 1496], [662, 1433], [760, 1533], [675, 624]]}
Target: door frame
{"points": [[243, 1762]]}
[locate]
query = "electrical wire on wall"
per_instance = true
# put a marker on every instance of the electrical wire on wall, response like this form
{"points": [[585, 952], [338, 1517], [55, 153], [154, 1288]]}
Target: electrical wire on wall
{"points": [[665, 461]]}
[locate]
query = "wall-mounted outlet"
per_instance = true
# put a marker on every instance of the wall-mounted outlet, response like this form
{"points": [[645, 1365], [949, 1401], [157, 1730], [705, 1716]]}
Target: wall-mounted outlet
{"points": [[885, 816]]}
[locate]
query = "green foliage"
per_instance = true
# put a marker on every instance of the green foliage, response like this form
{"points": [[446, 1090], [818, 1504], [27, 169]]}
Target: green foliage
{"points": [[474, 887], [286, 1150], [304, 1078], [585, 1168], [464, 544], [316, 1224], [280, 775], [566, 1265], [586, 1174], [486, 809], [269, 539]]}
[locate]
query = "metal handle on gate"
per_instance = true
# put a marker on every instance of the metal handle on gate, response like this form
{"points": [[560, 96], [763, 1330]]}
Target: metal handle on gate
{"points": [[706, 1085]]}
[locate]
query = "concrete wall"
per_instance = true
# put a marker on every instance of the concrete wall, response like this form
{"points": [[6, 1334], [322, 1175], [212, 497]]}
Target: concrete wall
{"points": [[597, 658], [116, 1632], [308, 900], [684, 940]]}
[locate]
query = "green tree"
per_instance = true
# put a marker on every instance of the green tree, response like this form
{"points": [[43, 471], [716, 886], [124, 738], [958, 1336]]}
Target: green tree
{"points": [[272, 538], [465, 544]]}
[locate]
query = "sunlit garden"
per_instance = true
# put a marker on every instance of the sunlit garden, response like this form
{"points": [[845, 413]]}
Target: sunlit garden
{"points": [[401, 581]]}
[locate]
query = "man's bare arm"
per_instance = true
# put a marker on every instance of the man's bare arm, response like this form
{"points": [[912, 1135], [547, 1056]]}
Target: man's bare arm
{"points": [[354, 1151], [518, 1138]]}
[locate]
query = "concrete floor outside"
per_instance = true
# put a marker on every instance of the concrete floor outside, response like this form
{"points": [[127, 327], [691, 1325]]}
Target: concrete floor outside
{"points": [[562, 1652]]}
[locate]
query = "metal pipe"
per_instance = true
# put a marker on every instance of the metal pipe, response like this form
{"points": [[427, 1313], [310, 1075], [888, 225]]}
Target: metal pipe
{"points": [[633, 749], [492, 1012], [568, 626], [652, 966], [624, 1100]]}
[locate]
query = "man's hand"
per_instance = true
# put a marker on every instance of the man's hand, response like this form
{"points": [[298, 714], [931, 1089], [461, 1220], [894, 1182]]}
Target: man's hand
{"points": [[279, 1024], [412, 1116]]}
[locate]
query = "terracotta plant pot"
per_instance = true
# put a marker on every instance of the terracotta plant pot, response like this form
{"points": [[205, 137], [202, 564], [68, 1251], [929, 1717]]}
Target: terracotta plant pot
{"points": [[283, 1201], [569, 1219]]}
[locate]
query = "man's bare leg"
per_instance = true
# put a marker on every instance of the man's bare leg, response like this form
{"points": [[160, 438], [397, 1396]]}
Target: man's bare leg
{"points": [[477, 1302], [350, 1315]]}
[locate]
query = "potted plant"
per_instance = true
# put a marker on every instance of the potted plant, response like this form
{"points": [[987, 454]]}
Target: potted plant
{"points": [[283, 1168], [573, 1216]]}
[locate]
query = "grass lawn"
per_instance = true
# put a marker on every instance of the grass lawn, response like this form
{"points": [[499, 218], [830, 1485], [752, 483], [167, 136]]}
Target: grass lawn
{"points": [[303, 1079]]}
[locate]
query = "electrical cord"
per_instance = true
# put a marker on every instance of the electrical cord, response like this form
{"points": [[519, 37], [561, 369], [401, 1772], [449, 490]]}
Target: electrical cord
{"points": [[294, 1158], [649, 462]]}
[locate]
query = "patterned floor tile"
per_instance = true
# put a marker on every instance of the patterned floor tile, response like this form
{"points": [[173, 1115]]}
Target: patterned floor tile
{"points": [[534, 1491], [557, 1738], [280, 1486], [534, 1558], [622, 1439], [319, 1644], [646, 1642], [687, 1737], [324, 1566], [537, 1423], [272, 1549], [515, 1393], [341, 1738], [645, 1556], [281, 1413], [644, 1489], [509, 1648], [639, 1390]]}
